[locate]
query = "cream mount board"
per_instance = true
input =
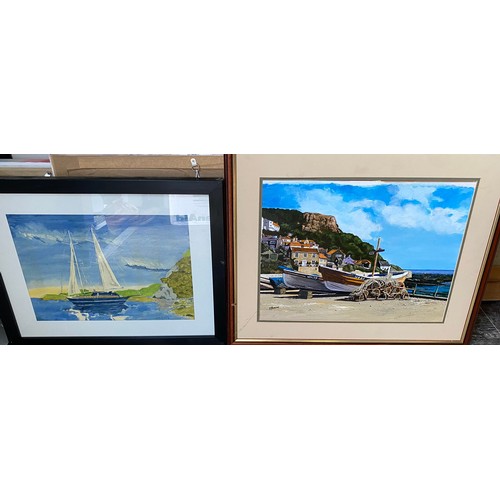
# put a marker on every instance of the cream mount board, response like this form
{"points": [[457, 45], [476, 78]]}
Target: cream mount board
{"points": [[426, 175]]}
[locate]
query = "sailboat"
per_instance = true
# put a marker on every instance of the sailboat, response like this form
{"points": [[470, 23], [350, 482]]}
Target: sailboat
{"points": [[105, 300]]}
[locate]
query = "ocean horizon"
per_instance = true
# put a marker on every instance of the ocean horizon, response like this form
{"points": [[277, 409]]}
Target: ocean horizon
{"points": [[432, 271]]}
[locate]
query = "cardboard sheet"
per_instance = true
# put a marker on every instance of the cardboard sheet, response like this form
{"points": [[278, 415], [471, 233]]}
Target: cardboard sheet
{"points": [[211, 166]]}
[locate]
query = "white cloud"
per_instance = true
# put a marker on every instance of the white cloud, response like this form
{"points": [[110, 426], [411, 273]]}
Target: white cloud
{"points": [[149, 265], [353, 218], [350, 216], [35, 231], [438, 220], [409, 207], [412, 192]]}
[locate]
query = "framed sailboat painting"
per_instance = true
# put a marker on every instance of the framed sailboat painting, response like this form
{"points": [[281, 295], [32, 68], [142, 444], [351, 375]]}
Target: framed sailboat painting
{"points": [[360, 248], [112, 261]]}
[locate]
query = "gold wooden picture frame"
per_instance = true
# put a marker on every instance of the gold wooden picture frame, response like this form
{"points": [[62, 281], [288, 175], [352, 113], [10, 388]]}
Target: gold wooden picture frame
{"points": [[437, 216]]}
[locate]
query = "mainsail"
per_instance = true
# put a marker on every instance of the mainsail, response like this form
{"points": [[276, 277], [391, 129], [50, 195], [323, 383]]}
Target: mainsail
{"points": [[73, 288], [109, 281], [104, 301]]}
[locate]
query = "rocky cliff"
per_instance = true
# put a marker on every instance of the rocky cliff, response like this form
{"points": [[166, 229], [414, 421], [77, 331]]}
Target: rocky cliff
{"points": [[179, 280], [317, 222]]}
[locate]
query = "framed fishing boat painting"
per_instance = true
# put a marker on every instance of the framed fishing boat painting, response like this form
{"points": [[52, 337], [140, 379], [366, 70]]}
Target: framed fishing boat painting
{"points": [[360, 248], [112, 261]]}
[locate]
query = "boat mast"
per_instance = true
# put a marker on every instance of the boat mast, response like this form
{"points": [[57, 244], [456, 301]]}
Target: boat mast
{"points": [[108, 279], [377, 251], [73, 288]]}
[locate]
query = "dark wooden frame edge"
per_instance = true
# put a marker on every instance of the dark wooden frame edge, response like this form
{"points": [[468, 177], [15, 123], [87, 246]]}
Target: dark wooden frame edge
{"points": [[230, 247], [484, 280]]}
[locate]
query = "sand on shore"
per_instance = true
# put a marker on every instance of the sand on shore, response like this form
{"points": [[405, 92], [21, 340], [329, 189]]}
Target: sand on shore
{"points": [[38, 293], [333, 309]]}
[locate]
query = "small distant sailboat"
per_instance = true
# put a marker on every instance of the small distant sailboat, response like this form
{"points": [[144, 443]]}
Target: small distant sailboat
{"points": [[105, 300]]}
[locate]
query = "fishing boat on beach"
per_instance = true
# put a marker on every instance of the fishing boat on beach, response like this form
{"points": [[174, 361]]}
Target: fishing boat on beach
{"points": [[340, 281], [296, 280], [105, 300]]}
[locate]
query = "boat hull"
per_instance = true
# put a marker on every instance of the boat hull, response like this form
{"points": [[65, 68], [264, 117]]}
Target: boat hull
{"points": [[332, 286], [343, 282], [294, 279], [99, 303]]}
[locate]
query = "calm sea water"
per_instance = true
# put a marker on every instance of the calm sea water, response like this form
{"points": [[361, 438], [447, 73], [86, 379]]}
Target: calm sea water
{"points": [[426, 288], [63, 310], [431, 271]]}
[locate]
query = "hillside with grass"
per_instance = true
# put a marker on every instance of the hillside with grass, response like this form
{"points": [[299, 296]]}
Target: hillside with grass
{"points": [[181, 280], [142, 295], [293, 221]]}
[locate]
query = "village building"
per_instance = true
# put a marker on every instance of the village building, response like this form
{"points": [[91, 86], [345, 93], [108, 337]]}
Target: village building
{"points": [[284, 241], [269, 256], [296, 243], [277, 241], [322, 259], [304, 256], [336, 255], [269, 225], [271, 241]]}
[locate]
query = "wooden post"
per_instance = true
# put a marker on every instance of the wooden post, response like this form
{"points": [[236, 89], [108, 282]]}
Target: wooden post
{"points": [[376, 258]]}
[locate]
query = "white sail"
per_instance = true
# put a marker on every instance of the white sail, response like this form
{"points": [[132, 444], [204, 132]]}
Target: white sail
{"points": [[109, 281], [73, 288]]}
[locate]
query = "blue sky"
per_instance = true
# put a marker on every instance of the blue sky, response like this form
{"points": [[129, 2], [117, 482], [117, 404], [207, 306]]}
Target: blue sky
{"points": [[421, 224], [140, 249]]}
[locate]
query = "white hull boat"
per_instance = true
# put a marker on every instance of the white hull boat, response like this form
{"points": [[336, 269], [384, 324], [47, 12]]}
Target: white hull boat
{"points": [[294, 279]]}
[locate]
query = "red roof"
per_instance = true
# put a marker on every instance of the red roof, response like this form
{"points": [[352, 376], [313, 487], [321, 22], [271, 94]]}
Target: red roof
{"points": [[306, 250]]}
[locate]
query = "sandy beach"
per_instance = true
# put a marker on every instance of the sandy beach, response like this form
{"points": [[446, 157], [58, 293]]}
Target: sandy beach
{"points": [[290, 308], [38, 293]]}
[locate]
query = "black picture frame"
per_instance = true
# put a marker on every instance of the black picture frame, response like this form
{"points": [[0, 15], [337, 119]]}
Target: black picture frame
{"points": [[214, 188]]}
